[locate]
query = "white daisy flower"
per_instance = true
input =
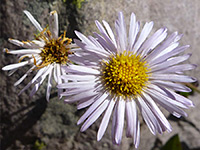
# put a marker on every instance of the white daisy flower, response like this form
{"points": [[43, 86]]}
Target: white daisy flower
{"points": [[46, 54], [127, 73]]}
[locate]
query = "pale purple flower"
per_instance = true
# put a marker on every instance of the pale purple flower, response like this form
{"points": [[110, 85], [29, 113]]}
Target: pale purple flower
{"points": [[45, 54], [122, 73]]}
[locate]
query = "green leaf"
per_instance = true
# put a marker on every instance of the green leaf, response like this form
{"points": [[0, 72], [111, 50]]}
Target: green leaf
{"points": [[173, 144]]}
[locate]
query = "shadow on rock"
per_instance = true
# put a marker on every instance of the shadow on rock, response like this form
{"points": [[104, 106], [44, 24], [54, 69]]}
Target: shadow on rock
{"points": [[23, 124]]}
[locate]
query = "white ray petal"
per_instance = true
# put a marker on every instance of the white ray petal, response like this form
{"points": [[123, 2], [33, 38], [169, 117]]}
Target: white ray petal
{"points": [[154, 108], [169, 41], [172, 77], [17, 65], [169, 54], [162, 100], [92, 108], [95, 115], [53, 24], [84, 69], [172, 61], [105, 120], [24, 76], [23, 51], [40, 81], [144, 34], [113, 131], [132, 31], [178, 68], [119, 121], [78, 77], [36, 77], [153, 41], [174, 86], [34, 22], [49, 84], [86, 103], [110, 32], [129, 119]]}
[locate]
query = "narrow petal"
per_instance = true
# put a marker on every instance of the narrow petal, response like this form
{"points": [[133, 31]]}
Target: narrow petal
{"points": [[23, 51], [178, 68], [144, 34], [80, 96], [92, 108], [53, 24], [129, 119], [95, 115], [110, 32], [49, 84], [34, 22], [17, 65], [172, 77], [84, 69], [40, 81], [162, 100], [162, 47], [154, 108], [132, 31], [24, 76], [119, 121], [169, 63], [86, 103], [105, 120], [174, 86], [153, 41], [37, 76], [169, 54]]}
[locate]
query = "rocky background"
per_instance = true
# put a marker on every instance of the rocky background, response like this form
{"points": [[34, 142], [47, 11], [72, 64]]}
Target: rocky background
{"points": [[33, 124]]}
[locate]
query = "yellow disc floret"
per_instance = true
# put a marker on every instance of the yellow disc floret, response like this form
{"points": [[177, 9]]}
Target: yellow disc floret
{"points": [[124, 74], [54, 50]]}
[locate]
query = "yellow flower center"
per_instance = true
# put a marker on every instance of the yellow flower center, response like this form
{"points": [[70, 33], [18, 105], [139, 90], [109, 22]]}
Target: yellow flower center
{"points": [[124, 74], [54, 50]]}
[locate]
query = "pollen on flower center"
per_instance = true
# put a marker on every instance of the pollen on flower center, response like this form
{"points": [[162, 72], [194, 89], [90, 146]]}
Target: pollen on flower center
{"points": [[55, 50], [124, 74]]}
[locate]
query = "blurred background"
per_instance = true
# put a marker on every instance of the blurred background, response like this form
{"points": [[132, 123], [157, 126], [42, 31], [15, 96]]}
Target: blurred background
{"points": [[34, 124]]}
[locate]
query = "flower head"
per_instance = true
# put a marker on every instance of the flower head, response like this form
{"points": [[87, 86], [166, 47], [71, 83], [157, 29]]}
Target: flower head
{"points": [[127, 73], [45, 54]]}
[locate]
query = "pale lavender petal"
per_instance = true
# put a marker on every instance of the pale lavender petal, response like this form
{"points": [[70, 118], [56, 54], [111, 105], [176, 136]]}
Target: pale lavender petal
{"points": [[174, 86], [129, 119], [169, 54], [40, 80], [154, 108], [53, 24], [162, 47], [110, 32], [144, 33], [92, 108], [95, 115], [165, 103], [17, 65], [49, 84], [87, 102], [34, 22], [23, 51], [153, 41], [169, 63], [39, 74], [79, 96], [24, 76], [119, 121], [105, 120], [172, 77]]}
